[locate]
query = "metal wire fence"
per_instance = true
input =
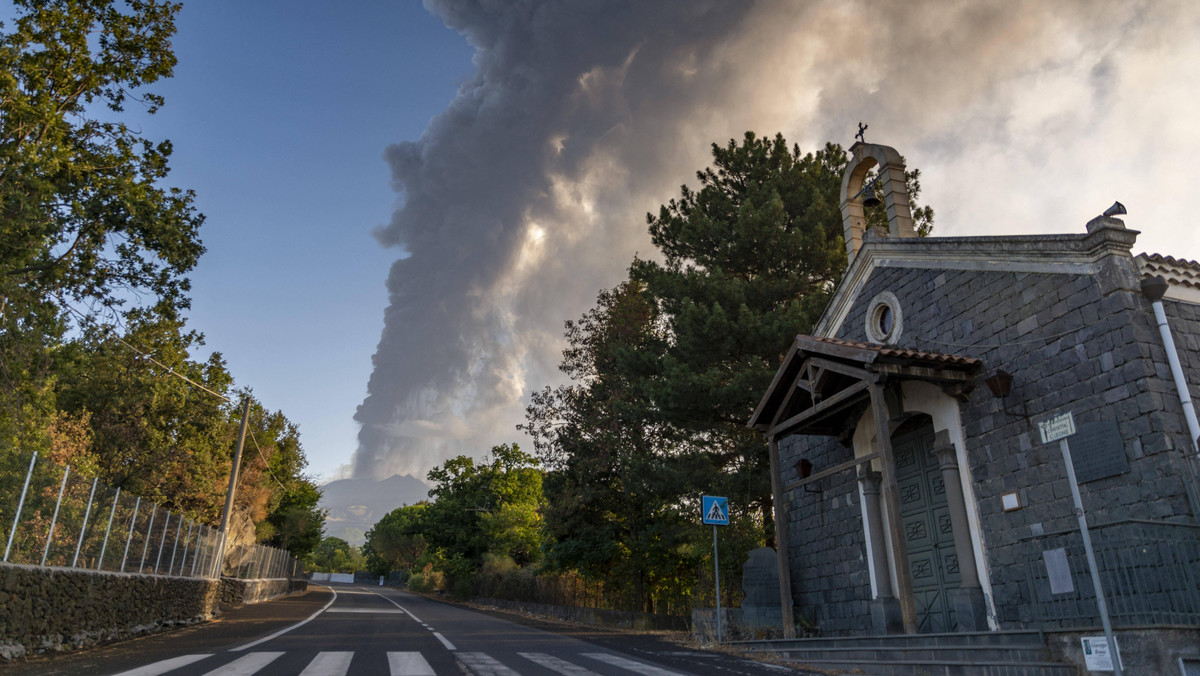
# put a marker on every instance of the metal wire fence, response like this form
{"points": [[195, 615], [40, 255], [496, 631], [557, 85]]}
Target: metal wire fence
{"points": [[255, 562], [54, 516], [1150, 572]]}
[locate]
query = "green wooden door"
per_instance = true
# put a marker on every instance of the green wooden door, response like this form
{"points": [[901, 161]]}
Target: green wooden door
{"points": [[927, 531]]}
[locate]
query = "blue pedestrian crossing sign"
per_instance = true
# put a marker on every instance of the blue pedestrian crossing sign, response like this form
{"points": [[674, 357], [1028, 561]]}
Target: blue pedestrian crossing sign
{"points": [[715, 510]]}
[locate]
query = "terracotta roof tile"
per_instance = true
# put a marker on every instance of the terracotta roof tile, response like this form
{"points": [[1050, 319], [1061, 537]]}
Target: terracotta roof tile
{"points": [[1175, 270], [903, 353]]}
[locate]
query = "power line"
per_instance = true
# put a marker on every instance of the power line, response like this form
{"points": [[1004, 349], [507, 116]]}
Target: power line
{"points": [[265, 463], [86, 319]]}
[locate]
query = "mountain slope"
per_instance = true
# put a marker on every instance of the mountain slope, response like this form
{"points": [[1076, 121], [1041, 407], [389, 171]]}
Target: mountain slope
{"points": [[355, 505]]}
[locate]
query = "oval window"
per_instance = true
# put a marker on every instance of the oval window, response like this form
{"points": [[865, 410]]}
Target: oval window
{"points": [[883, 319]]}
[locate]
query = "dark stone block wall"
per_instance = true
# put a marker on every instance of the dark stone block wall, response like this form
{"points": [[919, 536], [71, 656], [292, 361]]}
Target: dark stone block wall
{"points": [[49, 609], [45, 609], [1081, 343], [827, 550]]}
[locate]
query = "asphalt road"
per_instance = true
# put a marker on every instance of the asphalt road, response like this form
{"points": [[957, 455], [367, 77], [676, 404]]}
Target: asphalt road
{"points": [[349, 629]]}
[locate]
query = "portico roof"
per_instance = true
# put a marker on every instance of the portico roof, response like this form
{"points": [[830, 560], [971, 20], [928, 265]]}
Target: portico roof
{"points": [[823, 379]]}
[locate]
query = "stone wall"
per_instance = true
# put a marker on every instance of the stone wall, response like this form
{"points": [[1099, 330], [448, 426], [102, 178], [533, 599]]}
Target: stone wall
{"points": [[826, 547], [1084, 343], [1145, 652], [45, 609], [236, 592]]}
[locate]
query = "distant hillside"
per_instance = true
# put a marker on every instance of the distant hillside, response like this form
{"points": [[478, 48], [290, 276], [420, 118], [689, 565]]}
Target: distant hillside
{"points": [[356, 504]]}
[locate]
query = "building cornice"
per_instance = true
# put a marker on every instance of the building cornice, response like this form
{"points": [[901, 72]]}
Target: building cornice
{"points": [[1049, 254]]}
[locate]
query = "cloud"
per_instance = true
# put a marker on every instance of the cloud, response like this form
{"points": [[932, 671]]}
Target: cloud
{"points": [[528, 194]]}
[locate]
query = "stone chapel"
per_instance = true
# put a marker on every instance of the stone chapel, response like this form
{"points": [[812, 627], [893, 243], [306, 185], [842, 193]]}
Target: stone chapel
{"points": [[913, 493]]}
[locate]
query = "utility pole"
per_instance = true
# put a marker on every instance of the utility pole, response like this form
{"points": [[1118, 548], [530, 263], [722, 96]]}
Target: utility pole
{"points": [[233, 477]]}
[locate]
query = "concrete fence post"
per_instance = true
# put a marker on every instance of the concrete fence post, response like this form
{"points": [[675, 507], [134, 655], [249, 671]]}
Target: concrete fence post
{"points": [[108, 528], [20, 506], [129, 536], [146, 540], [175, 545], [161, 542], [199, 550], [54, 519], [187, 542], [83, 529]]}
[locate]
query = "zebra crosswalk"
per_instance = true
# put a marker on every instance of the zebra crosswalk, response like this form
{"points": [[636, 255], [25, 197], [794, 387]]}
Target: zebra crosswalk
{"points": [[400, 664]]}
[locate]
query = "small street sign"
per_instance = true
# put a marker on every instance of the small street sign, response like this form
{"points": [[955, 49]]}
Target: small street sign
{"points": [[715, 510], [1058, 427]]}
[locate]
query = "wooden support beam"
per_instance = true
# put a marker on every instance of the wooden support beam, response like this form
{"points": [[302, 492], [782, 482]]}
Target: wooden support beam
{"points": [[831, 471], [846, 396], [891, 498], [781, 541]]}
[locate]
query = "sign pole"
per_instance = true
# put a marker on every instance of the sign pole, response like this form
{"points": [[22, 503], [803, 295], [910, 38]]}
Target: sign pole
{"points": [[717, 577], [1091, 559], [715, 510]]}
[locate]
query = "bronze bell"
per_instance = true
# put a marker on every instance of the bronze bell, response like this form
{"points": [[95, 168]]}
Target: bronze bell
{"points": [[870, 200]]}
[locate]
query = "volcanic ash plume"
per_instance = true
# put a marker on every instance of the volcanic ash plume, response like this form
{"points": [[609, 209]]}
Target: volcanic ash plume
{"points": [[528, 194]]}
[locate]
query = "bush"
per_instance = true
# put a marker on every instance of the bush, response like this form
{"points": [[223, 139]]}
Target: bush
{"points": [[462, 587], [428, 580]]}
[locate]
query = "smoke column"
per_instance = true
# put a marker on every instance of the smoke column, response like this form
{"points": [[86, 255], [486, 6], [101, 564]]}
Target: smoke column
{"points": [[528, 194]]}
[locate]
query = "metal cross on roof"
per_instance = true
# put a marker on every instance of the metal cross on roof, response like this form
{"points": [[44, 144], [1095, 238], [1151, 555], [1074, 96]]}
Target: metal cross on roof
{"points": [[862, 132]]}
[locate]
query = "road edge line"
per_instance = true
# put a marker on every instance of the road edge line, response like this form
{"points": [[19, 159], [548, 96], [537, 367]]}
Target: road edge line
{"points": [[285, 630], [406, 610]]}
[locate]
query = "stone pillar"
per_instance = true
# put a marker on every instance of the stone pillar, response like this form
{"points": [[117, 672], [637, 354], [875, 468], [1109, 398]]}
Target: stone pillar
{"points": [[885, 609], [895, 201], [967, 600]]}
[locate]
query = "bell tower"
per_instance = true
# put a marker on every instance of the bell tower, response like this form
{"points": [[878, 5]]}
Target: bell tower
{"points": [[864, 157]]}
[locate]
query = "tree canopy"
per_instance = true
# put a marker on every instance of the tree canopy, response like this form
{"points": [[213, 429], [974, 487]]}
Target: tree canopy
{"points": [[84, 214], [95, 247]]}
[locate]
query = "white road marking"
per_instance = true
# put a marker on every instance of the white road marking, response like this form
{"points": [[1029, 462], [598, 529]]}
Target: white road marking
{"points": [[409, 664], [285, 630], [384, 611], [329, 664], [481, 664], [399, 606], [448, 644], [164, 666], [631, 665], [245, 666], [558, 665]]}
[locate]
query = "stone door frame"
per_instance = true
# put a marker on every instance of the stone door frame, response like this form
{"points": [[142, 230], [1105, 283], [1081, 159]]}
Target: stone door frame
{"points": [[920, 398]]}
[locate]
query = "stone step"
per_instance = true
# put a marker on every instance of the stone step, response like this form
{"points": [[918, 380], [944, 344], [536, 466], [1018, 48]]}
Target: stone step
{"points": [[1019, 639], [939, 668], [1002, 653], [980, 654]]}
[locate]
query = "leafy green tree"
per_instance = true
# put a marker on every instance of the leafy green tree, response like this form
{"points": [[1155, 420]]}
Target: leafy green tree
{"points": [[397, 541], [617, 477], [152, 433], [83, 212], [292, 520], [83, 217], [492, 507], [87, 227], [335, 555]]}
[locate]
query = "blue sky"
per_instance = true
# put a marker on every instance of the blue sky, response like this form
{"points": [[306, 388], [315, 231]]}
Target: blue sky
{"points": [[279, 114]]}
